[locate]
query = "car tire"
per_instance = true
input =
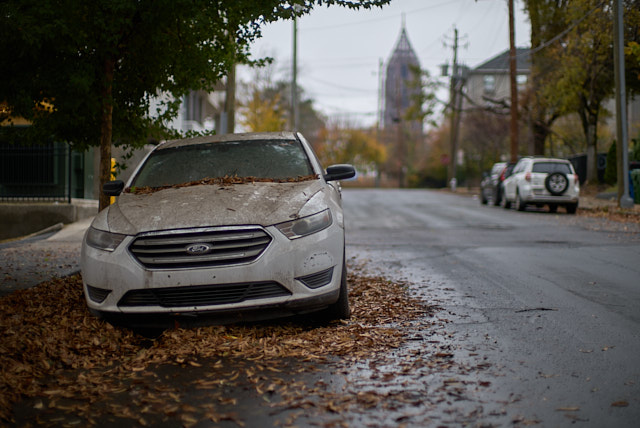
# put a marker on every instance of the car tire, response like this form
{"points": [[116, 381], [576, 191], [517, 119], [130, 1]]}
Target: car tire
{"points": [[519, 204], [553, 208], [505, 203], [497, 197], [571, 208], [556, 183], [483, 199], [339, 310]]}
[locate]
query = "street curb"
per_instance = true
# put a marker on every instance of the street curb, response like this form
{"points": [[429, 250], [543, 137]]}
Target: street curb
{"points": [[55, 228]]}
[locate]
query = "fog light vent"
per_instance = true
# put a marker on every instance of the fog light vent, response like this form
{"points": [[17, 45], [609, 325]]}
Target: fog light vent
{"points": [[97, 294], [317, 280]]}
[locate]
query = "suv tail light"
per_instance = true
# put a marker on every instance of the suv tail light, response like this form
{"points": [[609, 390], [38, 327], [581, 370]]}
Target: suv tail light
{"points": [[576, 179], [527, 176]]}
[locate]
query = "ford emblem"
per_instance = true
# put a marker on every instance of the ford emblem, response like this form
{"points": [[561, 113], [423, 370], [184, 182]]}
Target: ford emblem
{"points": [[198, 249]]}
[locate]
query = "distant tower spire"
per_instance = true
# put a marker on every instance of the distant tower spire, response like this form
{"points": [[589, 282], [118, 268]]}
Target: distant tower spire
{"points": [[404, 21]]}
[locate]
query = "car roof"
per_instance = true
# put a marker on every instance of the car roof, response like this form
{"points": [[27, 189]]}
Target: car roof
{"points": [[248, 136], [535, 159]]}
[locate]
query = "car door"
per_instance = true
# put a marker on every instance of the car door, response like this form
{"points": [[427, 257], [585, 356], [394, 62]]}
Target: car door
{"points": [[510, 183]]}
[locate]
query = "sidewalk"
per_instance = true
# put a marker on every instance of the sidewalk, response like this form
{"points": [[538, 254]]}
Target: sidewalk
{"points": [[28, 261]]}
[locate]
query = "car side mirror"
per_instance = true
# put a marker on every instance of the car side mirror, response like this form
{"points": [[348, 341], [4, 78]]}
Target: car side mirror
{"points": [[340, 172], [113, 188]]}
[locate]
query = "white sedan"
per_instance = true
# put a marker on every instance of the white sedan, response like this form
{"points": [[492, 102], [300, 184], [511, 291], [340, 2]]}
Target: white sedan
{"points": [[235, 227]]}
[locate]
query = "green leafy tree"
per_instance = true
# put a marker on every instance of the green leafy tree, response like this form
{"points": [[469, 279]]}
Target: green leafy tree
{"points": [[547, 18], [583, 76], [102, 64], [582, 79]]}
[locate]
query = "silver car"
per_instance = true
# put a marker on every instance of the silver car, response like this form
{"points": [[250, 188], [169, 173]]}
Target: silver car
{"points": [[234, 227], [542, 181]]}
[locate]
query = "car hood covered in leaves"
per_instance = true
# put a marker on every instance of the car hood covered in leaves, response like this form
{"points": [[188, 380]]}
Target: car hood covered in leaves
{"points": [[213, 205]]}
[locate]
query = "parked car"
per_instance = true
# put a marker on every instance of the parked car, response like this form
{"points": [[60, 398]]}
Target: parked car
{"points": [[490, 182], [542, 181], [491, 185], [235, 227], [499, 188]]}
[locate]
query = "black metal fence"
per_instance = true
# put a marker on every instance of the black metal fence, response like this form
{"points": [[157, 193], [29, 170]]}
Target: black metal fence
{"points": [[35, 173]]}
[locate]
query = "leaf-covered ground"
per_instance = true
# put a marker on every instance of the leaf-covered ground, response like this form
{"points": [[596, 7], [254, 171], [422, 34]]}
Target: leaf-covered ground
{"points": [[73, 369]]}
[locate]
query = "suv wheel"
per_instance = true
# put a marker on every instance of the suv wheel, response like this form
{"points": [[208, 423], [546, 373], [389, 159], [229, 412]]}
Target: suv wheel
{"points": [[520, 205], [571, 208], [497, 196], [505, 203], [556, 183]]}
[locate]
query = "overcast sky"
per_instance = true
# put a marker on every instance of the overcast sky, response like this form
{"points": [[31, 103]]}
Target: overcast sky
{"points": [[339, 50]]}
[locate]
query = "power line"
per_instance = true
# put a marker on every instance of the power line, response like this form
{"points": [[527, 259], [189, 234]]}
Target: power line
{"points": [[351, 24]]}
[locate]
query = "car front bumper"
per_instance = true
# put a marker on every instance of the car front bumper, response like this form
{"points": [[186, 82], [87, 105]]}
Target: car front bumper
{"points": [[307, 272]]}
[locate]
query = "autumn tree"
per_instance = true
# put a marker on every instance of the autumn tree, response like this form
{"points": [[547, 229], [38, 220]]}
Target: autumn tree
{"points": [[102, 63], [265, 105], [261, 110], [347, 144], [485, 137]]}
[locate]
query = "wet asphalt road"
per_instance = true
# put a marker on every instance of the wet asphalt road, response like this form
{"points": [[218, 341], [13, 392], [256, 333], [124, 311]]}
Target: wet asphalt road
{"points": [[539, 322], [550, 301]]}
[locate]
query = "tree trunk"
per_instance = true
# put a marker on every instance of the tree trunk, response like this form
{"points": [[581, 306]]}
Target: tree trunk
{"points": [[589, 118], [540, 133], [106, 131]]}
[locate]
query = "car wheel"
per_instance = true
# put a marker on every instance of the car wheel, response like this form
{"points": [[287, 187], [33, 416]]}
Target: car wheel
{"points": [[571, 208], [520, 205], [483, 198], [505, 203], [553, 208], [556, 183], [339, 310], [497, 197]]}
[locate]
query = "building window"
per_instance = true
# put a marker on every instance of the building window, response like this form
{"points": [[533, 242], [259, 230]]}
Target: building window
{"points": [[521, 79], [193, 107], [489, 83]]}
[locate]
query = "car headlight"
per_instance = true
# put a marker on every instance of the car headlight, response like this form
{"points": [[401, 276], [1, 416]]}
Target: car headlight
{"points": [[306, 225], [102, 240]]}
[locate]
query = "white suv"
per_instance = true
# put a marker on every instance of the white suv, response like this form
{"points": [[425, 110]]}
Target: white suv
{"points": [[542, 181]]}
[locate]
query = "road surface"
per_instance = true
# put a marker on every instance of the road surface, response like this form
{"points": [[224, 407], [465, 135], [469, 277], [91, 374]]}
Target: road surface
{"points": [[550, 302]]}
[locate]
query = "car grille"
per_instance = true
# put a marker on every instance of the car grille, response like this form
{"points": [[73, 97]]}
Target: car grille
{"points": [[204, 248], [203, 295], [317, 280]]}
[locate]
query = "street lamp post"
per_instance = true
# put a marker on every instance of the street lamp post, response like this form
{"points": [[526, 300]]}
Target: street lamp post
{"points": [[624, 201]]}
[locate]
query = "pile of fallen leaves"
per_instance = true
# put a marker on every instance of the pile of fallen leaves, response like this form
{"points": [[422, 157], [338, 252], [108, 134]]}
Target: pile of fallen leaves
{"points": [[46, 333], [613, 214], [227, 180]]}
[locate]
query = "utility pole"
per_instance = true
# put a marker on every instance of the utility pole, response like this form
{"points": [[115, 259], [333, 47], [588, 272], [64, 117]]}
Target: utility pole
{"points": [[624, 201], [294, 79], [453, 93], [380, 116], [514, 86]]}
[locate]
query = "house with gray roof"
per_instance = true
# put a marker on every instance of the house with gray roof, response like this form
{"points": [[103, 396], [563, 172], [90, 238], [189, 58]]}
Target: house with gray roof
{"points": [[488, 84]]}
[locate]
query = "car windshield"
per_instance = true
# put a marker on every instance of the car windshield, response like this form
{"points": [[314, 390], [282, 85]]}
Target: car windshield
{"points": [[262, 159], [551, 167]]}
